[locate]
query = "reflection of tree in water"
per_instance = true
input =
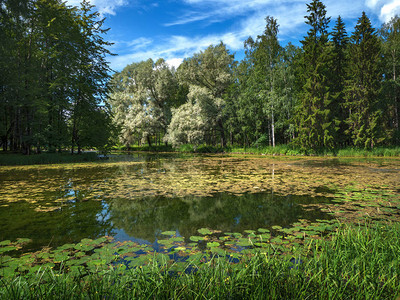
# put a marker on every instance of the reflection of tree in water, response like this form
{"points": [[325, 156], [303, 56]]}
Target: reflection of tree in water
{"points": [[71, 223], [146, 218]]}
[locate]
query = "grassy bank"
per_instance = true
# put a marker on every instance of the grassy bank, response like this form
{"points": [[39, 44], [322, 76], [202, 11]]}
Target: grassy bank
{"points": [[267, 150], [11, 159], [357, 263]]}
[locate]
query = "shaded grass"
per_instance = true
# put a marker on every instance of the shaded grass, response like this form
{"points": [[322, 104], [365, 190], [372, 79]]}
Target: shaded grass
{"points": [[359, 262], [282, 149], [11, 159], [153, 148]]}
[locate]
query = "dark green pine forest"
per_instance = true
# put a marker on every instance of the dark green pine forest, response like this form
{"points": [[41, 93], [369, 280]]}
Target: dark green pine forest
{"points": [[340, 88]]}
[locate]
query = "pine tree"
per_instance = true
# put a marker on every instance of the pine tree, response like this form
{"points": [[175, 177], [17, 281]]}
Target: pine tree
{"points": [[315, 127], [363, 87], [340, 43]]}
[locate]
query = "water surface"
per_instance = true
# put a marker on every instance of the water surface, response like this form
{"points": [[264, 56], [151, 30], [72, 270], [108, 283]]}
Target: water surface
{"points": [[137, 197]]}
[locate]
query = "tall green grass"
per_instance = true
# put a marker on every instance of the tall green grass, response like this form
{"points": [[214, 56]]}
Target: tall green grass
{"points": [[358, 263], [282, 149], [379, 151]]}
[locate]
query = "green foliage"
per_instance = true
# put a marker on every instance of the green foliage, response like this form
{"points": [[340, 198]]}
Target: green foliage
{"points": [[54, 76], [363, 87], [359, 262], [340, 42], [142, 97], [208, 75], [314, 111], [390, 35]]}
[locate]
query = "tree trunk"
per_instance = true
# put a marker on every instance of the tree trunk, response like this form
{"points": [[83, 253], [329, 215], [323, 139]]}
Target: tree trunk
{"points": [[149, 140], [273, 128]]}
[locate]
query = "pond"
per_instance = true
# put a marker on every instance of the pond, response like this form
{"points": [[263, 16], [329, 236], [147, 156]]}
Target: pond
{"points": [[137, 197]]}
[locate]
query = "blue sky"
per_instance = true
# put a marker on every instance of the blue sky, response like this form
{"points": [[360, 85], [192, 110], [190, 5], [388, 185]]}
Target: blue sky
{"points": [[175, 29]]}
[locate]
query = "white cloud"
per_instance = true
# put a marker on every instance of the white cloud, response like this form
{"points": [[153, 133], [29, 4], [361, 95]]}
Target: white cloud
{"points": [[389, 10], [386, 8], [174, 62], [104, 7], [248, 19]]}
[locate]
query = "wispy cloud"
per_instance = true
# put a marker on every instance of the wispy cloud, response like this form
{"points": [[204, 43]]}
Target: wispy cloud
{"points": [[104, 7], [246, 18]]}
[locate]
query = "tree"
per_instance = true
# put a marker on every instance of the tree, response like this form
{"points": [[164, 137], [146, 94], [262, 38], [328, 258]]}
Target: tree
{"points": [[340, 43], [390, 34], [265, 93], [55, 73], [188, 125], [210, 73], [142, 97], [91, 71], [314, 116], [363, 86]]}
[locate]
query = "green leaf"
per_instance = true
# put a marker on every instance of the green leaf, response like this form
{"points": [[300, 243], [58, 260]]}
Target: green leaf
{"points": [[170, 233], [196, 238], [212, 244], [204, 231]]}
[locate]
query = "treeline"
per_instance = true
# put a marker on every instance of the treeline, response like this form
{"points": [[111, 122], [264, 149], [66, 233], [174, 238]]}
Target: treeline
{"points": [[53, 77], [336, 90]]}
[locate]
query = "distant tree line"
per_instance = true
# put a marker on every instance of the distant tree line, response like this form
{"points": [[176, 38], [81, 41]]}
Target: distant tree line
{"points": [[336, 90], [53, 78]]}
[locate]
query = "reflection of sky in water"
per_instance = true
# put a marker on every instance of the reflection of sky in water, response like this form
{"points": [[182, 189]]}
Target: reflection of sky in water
{"points": [[99, 199], [120, 235]]}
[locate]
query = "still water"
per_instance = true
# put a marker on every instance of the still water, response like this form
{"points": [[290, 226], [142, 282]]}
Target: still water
{"points": [[139, 196]]}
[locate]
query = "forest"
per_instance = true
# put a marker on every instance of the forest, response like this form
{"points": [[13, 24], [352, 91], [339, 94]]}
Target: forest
{"points": [[338, 89], [54, 77]]}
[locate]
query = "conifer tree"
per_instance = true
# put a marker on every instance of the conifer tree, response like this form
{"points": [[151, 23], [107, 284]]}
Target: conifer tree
{"points": [[363, 87], [315, 127], [340, 43]]}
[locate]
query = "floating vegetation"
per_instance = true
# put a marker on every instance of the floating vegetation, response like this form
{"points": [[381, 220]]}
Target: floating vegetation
{"points": [[221, 195]]}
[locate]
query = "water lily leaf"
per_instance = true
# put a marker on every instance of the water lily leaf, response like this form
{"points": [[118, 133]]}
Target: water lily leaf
{"points": [[263, 230], [260, 244], [243, 242], [218, 251], [204, 231], [170, 233], [265, 236], [177, 239], [7, 249], [61, 257], [277, 240], [66, 246], [4, 243], [276, 227], [23, 240], [196, 238], [213, 244]]}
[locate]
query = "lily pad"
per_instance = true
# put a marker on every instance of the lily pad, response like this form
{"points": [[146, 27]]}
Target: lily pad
{"points": [[204, 231], [213, 244], [196, 238], [170, 233]]}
